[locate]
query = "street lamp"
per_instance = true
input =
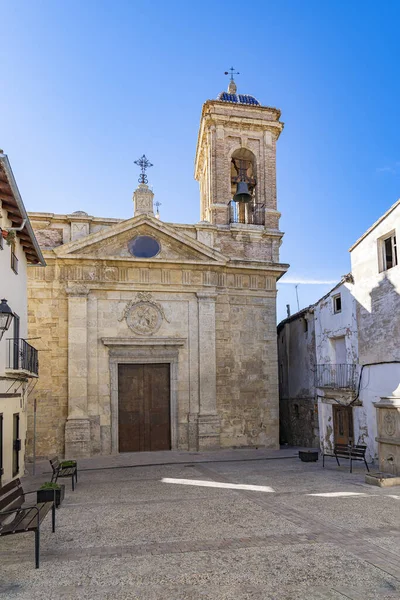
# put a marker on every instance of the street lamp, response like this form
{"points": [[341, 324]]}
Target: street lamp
{"points": [[6, 316]]}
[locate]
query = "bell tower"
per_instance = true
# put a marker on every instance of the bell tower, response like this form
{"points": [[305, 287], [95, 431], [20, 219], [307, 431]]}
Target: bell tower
{"points": [[236, 160]]}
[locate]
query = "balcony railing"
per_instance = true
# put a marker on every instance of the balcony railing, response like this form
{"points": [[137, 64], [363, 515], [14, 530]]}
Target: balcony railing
{"points": [[336, 376], [21, 356], [249, 213]]}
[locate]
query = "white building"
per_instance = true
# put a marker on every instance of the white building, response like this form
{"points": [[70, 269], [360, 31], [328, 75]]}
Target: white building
{"points": [[341, 413], [18, 358], [353, 352], [376, 271]]}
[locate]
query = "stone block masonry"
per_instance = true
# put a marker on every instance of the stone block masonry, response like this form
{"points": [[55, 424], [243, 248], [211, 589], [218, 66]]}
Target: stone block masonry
{"points": [[203, 304]]}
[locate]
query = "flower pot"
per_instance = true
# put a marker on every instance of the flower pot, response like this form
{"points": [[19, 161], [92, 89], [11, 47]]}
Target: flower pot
{"points": [[308, 455], [47, 495]]}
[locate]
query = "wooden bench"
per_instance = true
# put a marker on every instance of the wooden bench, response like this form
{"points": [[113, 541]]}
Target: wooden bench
{"points": [[356, 452], [17, 518], [60, 471]]}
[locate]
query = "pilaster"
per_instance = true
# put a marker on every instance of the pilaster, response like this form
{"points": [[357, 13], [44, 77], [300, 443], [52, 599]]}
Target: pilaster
{"points": [[77, 427], [209, 423]]}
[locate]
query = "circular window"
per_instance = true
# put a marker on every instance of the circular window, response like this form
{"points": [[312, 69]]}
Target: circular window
{"points": [[144, 246]]}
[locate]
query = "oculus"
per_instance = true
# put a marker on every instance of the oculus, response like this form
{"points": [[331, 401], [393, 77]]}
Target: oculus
{"points": [[144, 246]]}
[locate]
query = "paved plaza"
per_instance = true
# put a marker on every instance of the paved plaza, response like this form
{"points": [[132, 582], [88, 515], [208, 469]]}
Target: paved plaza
{"points": [[189, 528]]}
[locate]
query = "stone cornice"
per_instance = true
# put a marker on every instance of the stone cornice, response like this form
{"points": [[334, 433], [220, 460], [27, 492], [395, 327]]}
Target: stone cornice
{"points": [[238, 107], [210, 296], [150, 341], [50, 217], [137, 262], [77, 290], [234, 263], [233, 122]]}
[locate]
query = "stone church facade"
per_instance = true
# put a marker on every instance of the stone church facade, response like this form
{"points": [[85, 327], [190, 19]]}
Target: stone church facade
{"points": [[163, 336]]}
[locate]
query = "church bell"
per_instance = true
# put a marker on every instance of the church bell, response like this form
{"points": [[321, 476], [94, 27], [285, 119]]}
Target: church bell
{"points": [[242, 192]]}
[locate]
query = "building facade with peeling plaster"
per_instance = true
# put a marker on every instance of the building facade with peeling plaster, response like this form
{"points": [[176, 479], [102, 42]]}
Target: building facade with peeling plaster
{"points": [[376, 270], [345, 351]]}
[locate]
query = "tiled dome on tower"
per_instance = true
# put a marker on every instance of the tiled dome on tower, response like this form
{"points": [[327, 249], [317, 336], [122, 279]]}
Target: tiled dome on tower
{"points": [[232, 96]]}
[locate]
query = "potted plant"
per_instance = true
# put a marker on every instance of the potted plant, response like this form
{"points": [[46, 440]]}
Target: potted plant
{"points": [[308, 455], [46, 493], [9, 236]]}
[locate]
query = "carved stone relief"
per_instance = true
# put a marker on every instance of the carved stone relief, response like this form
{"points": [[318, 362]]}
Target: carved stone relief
{"points": [[389, 423], [79, 230], [144, 316]]}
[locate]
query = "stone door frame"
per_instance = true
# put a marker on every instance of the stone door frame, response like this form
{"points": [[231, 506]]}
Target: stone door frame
{"points": [[139, 351]]}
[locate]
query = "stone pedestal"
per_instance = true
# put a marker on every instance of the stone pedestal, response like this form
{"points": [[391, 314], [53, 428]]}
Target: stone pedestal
{"points": [[143, 200], [193, 432], [77, 438], [388, 425], [209, 432]]}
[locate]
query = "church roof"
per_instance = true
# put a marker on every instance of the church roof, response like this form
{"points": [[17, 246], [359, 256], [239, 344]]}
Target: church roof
{"points": [[238, 98]]}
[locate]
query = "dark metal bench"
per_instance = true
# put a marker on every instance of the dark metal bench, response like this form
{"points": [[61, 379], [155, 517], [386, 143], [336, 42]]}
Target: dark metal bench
{"points": [[350, 452], [60, 471], [17, 518]]}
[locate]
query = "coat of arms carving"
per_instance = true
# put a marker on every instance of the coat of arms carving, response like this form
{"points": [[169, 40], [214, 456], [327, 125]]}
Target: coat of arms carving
{"points": [[389, 423], [143, 315]]}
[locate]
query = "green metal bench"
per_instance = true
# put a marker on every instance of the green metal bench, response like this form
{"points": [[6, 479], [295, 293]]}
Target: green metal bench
{"points": [[17, 518]]}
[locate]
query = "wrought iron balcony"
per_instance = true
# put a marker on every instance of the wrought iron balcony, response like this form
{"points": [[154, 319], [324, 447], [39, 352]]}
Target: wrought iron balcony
{"points": [[249, 213], [336, 376], [22, 358]]}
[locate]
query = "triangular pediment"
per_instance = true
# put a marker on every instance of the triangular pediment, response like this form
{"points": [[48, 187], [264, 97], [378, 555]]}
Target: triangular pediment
{"points": [[113, 243]]}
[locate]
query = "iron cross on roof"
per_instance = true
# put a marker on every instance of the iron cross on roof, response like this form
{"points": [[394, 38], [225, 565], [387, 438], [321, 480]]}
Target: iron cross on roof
{"points": [[232, 72], [144, 164]]}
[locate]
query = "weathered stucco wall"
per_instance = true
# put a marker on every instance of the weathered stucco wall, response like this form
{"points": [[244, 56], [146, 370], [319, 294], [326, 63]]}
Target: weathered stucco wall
{"points": [[297, 403], [377, 294], [13, 289], [330, 325], [332, 328]]}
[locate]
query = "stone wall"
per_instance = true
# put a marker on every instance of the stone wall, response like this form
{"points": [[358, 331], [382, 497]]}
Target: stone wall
{"points": [[247, 391], [219, 327], [298, 409], [48, 321], [298, 422]]}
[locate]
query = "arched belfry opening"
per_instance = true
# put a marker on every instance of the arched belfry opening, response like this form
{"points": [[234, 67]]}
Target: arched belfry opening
{"points": [[236, 160], [244, 207]]}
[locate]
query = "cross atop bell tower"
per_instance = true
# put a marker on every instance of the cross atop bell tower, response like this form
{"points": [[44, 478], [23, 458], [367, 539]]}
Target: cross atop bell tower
{"points": [[236, 160], [232, 89]]}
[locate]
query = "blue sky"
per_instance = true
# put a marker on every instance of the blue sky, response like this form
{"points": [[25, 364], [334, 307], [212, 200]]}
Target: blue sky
{"points": [[88, 87]]}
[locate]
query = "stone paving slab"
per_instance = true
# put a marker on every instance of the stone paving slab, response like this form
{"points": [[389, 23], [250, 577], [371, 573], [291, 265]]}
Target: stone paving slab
{"points": [[124, 534]]}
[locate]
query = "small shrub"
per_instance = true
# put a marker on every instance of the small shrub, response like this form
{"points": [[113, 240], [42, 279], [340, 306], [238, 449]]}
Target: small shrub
{"points": [[50, 486]]}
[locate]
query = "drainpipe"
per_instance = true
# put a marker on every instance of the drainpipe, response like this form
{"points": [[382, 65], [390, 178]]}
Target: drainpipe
{"points": [[20, 228]]}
